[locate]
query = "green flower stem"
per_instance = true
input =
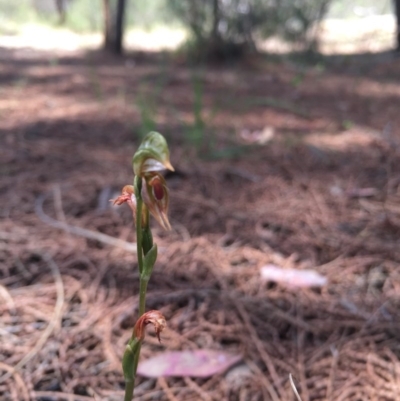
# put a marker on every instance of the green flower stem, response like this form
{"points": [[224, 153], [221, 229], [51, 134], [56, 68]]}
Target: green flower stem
{"points": [[129, 386], [139, 207], [142, 295], [144, 279]]}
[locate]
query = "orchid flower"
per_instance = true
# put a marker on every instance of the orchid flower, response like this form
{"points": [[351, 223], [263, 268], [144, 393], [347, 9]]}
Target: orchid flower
{"points": [[151, 158], [149, 194]]}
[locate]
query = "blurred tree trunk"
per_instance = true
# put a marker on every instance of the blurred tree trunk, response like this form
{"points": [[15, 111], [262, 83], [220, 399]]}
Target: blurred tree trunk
{"points": [[114, 13], [193, 20], [216, 18], [61, 9], [397, 10]]}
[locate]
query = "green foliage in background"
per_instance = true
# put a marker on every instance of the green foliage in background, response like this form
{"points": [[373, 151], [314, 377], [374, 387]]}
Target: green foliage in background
{"points": [[85, 16], [215, 23], [225, 27], [359, 8], [15, 12], [296, 19], [148, 14]]}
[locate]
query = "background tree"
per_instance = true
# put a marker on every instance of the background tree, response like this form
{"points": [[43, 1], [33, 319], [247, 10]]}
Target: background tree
{"points": [[397, 10], [114, 16], [62, 10], [225, 28]]}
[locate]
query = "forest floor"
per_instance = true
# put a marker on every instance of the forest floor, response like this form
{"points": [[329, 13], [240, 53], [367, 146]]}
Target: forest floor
{"points": [[276, 163]]}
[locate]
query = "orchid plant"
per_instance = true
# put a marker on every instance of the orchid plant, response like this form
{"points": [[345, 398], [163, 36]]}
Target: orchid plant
{"points": [[148, 195]]}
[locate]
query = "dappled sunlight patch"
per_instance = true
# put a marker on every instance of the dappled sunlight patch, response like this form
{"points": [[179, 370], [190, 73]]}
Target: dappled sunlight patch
{"points": [[372, 33], [41, 37], [352, 138], [46, 38], [162, 38]]}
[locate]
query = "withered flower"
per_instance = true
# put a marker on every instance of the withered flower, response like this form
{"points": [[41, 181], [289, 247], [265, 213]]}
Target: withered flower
{"points": [[153, 317]]}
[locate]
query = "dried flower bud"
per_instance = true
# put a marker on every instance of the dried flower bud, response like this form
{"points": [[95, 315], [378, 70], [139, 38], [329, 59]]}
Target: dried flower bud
{"points": [[156, 197], [154, 317], [152, 155]]}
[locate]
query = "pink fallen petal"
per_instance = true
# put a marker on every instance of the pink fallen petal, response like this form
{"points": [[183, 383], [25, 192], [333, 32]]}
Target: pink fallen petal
{"points": [[198, 363], [293, 277]]}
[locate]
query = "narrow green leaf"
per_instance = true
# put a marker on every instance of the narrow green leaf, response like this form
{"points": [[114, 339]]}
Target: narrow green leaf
{"points": [[147, 240], [128, 360], [149, 262]]}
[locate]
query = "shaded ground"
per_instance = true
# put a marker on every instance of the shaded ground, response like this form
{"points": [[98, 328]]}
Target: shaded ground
{"points": [[323, 193]]}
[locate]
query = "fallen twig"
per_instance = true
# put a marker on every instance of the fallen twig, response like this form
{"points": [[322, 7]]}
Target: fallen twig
{"points": [[82, 232]]}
